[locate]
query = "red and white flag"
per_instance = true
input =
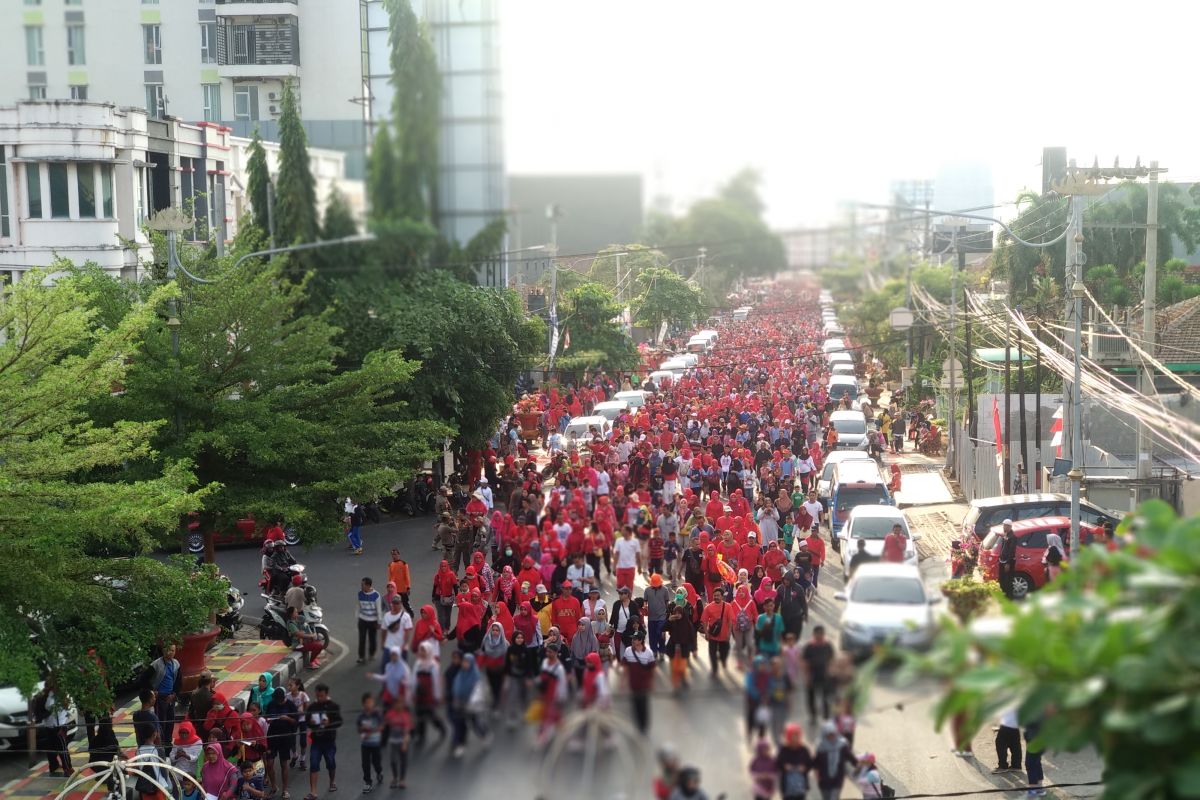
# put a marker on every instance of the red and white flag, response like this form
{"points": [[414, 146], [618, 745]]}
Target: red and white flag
{"points": [[1056, 432], [999, 444]]}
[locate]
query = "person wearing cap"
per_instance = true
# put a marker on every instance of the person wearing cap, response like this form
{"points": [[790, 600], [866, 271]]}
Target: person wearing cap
{"points": [[1007, 558], [294, 597], [596, 610], [396, 625], [485, 491], [656, 598], [566, 611]]}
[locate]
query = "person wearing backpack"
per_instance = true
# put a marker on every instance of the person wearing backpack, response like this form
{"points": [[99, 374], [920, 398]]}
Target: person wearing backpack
{"points": [[745, 613]]}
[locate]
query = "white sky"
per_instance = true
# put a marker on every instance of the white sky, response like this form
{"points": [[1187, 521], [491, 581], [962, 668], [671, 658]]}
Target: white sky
{"points": [[833, 101]]}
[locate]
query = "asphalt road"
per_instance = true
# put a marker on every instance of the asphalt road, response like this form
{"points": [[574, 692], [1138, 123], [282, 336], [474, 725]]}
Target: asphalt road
{"points": [[705, 724]]}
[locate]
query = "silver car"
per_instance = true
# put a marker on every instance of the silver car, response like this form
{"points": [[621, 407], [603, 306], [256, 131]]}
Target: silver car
{"points": [[886, 603]]}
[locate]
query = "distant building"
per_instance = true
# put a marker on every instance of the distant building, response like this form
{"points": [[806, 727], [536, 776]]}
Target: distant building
{"points": [[78, 180], [595, 211], [960, 185]]}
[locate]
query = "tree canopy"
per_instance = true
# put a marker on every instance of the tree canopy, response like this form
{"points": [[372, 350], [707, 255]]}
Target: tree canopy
{"points": [[295, 189], [70, 484], [258, 179], [590, 313], [416, 112], [663, 296], [267, 419], [1106, 657]]}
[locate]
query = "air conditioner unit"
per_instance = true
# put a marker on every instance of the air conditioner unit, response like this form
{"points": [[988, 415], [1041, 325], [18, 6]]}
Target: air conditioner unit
{"points": [[1107, 348], [273, 96], [274, 110]]}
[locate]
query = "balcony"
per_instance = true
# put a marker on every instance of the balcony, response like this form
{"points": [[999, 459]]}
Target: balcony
{"points": [[269, 49], [257, 8]]}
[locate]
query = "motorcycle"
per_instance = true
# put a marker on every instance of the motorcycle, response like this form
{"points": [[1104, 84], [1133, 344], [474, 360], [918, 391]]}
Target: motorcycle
{"points": [[264, 583], [274, 620], [230, 619]]}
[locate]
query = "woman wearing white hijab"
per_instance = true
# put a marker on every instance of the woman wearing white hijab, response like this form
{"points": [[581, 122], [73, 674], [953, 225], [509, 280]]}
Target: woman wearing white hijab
{"points": [[1054, 556], [394, 677]]}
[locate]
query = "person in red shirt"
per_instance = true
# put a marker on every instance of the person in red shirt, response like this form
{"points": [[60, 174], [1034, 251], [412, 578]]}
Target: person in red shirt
{"points": [[529, 572], [714, 509], [774, 560], [749, 556], [729, 549], [565, 612], [716, 623], [816, 546], [894, 545], [275, 533], [712, 575]]}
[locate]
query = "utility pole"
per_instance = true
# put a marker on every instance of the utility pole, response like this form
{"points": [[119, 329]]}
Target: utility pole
{"points": [[1007, 445], [553, 212], [960, 262], [1075, 271], [1145, 446]]}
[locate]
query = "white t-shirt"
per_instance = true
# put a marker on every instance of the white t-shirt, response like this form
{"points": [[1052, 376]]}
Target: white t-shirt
{"points": [[813, 508], [805, 465], [602, 480], [626, 552], [398, 637], [563, 529], [726, 461], [580, 575]]}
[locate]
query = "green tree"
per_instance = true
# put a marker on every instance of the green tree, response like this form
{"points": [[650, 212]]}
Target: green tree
{"points": [[383, 177], [67, 612], [329, 262], [295, 189], [265, 416], [472, 343], [1107, 286], [663, 296], [590, 313], [1106, 656], [258, 181], [464, 261], [415, 111]]}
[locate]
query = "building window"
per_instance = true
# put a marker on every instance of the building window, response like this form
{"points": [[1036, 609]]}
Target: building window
{"points": [[152, 39], [75, 51], [245, 102], [208, 42], [4, 226], [33, 189], [85, 183], [140, 210], [33, 2], [154, 100], [106, 189], [60, 191], [37, 91], [212, 102], [35, 53], [79, 92], [72, 2]]}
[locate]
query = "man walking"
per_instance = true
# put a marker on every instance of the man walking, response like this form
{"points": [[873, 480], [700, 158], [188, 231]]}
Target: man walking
{"points": [[628, 555], [1008, 558], [657, 597], [368, 619], [324, 718], [165, 680], [1008, 743], [397, 625], [399, 574], [717, 624], [817, 655]]}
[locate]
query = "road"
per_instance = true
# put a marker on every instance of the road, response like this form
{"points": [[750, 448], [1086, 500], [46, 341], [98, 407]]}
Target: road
{"points": [[705, 725]]}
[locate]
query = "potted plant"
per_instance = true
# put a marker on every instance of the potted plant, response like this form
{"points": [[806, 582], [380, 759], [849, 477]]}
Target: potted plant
{"points": [[529, 413], [967, 596]]}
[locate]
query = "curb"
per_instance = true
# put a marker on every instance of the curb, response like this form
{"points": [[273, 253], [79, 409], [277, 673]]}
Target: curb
{"points": [[289, 667]]}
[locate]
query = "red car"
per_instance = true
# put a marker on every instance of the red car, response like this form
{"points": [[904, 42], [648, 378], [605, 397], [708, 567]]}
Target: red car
{"points": [[246, 530], [1030, 572]]}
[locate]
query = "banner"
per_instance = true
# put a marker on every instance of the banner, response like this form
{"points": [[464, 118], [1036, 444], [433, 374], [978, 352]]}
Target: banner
{"points": [[999, 445]]}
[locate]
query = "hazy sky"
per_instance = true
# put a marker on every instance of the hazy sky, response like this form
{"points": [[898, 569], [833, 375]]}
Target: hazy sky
{"points": [[833, 101]]}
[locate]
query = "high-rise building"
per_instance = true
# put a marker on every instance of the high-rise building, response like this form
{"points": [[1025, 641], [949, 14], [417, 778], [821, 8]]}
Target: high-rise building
{"points": [[466, 39]]}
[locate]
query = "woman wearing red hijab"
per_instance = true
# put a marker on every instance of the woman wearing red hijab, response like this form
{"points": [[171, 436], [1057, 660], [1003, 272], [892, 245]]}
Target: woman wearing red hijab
{"points": [[468, 628], [427, 628], [220, 715], [712, 573]]}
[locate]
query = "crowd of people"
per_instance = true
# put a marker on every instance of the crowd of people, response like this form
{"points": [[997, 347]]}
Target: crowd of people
{"points": [[686, 540]]}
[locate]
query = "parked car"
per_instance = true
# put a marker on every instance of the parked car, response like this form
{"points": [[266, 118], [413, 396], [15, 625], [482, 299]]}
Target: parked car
{"points": [[579, 428], [1030, 573], [871, 524], [14, 719], [610, 409], [825, 479], [636, 398], [987, 512], [886, 603], [247, 530], [851, 426]]}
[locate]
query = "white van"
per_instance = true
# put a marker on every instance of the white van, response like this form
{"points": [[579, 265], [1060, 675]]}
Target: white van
{"points": [[579, 427], [610, 409], [842, 368], [825, 479], [740, 314], [833, 346], [851, 427], [662, 377], [839, 358], [636, 398], [698, 344], [843, 385]]}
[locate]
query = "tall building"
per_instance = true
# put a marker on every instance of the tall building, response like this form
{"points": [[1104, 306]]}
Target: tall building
{"points": [[466, 39], [196, 60]]}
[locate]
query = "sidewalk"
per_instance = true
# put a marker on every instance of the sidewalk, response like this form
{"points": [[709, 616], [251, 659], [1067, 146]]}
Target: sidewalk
{"points": [[235, 665]]}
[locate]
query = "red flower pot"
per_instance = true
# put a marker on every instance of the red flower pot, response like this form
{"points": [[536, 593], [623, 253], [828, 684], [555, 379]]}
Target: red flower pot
{"points": [[191, 656]]}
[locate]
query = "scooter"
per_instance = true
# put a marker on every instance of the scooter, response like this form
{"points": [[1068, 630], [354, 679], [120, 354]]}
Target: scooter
{"points": [[274, 621], [230, 619], [264, 583]]}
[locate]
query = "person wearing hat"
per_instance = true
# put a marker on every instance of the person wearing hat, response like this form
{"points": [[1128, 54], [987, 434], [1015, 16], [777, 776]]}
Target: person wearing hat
{"points": [[396, 625], [566, 611], [1007, 558], [656, 599]]}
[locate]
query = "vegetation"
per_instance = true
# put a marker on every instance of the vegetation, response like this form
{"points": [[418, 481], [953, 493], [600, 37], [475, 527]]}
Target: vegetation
{"points": [[68, 616], [663, 296], [589, 313], [258, 180], [1106, 657], [295, 189]]}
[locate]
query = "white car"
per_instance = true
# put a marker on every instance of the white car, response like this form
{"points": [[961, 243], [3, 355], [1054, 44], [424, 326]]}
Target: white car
{"points": [[871, 524], [825, 479], [851, 426], [579, 428], [610, 409], [14, 717], [636, 398], [886, 603]]}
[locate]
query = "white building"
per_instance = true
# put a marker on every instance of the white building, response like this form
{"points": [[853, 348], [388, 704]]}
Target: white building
{"points": [[78, 180], [226, 61]]}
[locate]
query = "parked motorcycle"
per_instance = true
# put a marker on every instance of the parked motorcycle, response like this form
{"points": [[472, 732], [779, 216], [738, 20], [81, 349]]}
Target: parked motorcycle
{"points": [[274, 620]]}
